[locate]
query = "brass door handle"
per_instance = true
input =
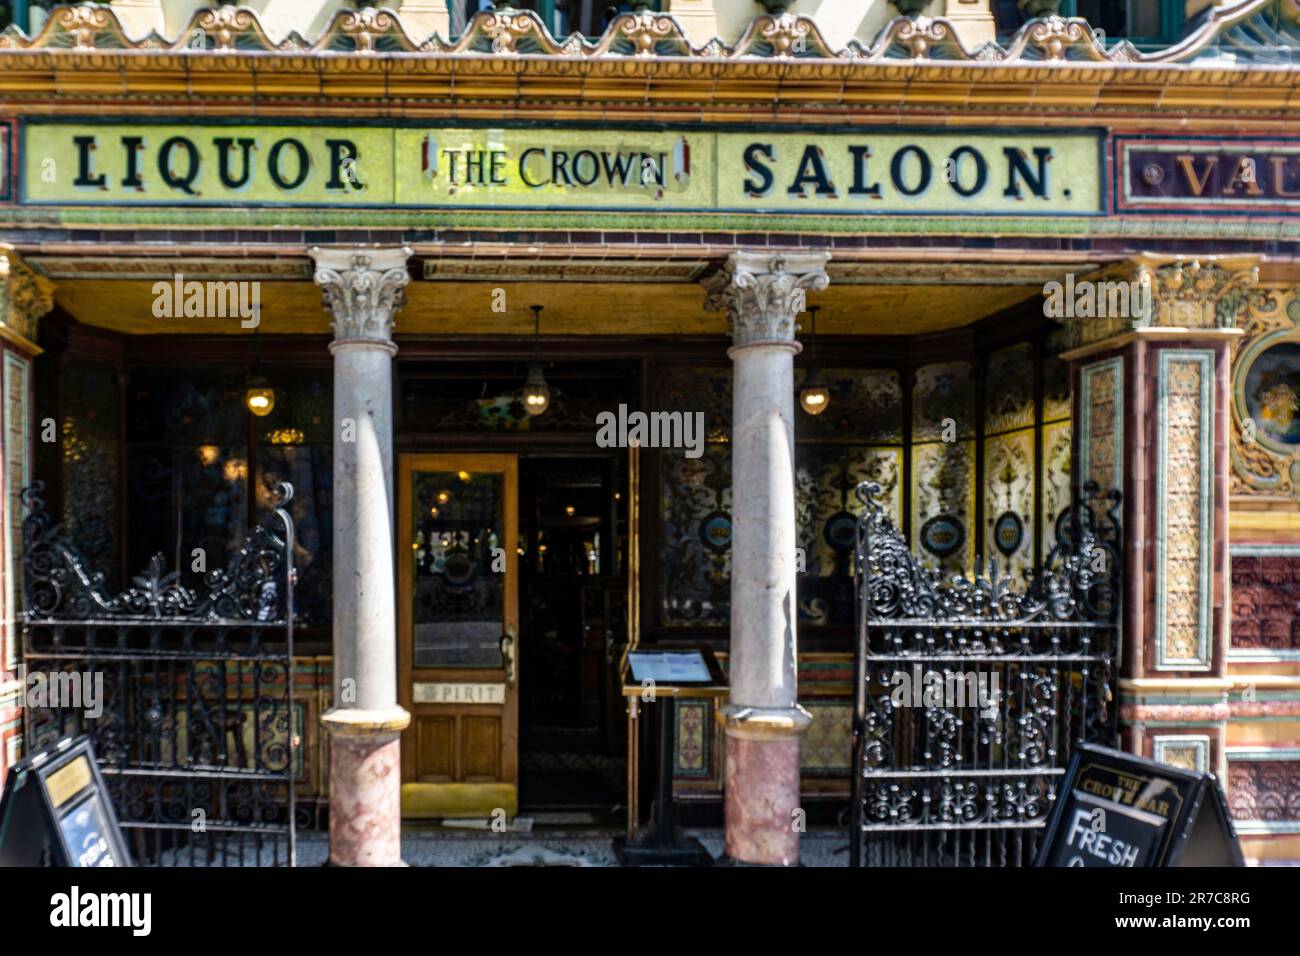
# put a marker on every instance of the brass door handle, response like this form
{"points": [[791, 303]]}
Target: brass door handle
{"points": [[508, 652]]}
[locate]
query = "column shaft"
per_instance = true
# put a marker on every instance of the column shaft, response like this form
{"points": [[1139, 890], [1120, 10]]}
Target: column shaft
{"points": [[363, 288], [764, 295], [365, 648], [762, 670]]}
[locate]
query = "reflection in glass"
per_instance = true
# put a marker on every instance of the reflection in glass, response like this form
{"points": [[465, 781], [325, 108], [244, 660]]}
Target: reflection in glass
{"points": [[459, 594]]}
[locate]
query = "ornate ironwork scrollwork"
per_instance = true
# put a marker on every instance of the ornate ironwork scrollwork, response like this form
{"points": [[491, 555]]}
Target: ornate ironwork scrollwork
{"points": [[1078, 580], [197, 717], [1038, 657], [59, 584]]}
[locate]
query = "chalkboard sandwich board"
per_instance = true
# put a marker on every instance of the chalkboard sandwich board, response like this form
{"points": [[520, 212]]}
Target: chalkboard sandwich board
{"points": [[56, 811], [1115, 809]]}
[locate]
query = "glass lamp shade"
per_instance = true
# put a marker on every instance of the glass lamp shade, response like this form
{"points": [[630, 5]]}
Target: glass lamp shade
{"points": [[260, 397], [814, 396], [537, 394]]}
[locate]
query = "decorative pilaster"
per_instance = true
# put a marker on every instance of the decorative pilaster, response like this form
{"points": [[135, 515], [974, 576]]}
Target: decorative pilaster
{"points": [[25, 297], [1153, 393], [363, 288], [763, 295]]}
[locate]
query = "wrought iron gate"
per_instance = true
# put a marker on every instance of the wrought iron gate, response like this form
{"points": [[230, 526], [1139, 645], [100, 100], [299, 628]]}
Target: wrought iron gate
{"points": [[969, 695], [195, 731]]}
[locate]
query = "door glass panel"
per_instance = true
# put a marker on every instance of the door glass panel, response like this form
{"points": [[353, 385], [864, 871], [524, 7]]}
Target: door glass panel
{"points": [[459, 596]]}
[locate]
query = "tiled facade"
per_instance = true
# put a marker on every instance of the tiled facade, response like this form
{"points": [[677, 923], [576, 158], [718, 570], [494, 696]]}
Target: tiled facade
{"points": [[1184, 409]]}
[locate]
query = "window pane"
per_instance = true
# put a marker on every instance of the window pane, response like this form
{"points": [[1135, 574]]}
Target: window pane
{"points": [[309, 469], [1144, 18], [459, 600]]}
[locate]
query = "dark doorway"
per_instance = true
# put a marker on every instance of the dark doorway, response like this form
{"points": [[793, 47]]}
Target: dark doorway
{"points": [[573, 598]]}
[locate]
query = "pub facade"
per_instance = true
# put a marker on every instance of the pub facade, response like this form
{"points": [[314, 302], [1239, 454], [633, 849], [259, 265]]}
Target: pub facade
{"points": [[427, 264]]}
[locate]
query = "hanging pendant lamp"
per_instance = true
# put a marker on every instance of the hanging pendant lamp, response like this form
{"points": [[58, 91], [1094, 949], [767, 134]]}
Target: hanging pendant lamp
{"points": [[815, 394], [536, 393]]}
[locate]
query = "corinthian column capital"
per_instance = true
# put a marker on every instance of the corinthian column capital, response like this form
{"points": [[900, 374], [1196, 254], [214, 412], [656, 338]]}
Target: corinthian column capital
{"points": [[362, 288], [1204, 293], [763, 292]]}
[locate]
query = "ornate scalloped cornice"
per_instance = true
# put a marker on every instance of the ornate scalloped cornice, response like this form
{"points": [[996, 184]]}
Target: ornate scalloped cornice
{"points": [[508, 62], [379, 31]]}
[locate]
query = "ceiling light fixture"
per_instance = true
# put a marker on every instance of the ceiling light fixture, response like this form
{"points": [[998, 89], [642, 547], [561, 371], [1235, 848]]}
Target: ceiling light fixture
{"points": [[536, 394], [815, 394]]}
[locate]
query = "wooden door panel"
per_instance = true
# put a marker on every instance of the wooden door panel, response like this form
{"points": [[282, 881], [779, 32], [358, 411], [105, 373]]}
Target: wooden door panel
{"points": [[435, 749], [457, 522], [480, 749]]}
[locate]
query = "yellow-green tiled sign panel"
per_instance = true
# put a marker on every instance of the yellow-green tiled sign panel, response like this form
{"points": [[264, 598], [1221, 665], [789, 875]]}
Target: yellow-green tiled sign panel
{"points": [[940, 172]]}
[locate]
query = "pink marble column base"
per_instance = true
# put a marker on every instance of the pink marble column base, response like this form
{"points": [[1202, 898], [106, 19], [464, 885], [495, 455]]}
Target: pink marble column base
{"points": [[365, 799], [762, 795]]}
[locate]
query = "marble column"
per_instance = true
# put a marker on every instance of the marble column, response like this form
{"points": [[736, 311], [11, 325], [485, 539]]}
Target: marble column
{"points": [[363, 288], [763, 294]]}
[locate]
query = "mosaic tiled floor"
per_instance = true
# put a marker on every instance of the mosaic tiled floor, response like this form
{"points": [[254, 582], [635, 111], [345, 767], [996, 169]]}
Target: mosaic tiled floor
{"points": [[589, 848]]}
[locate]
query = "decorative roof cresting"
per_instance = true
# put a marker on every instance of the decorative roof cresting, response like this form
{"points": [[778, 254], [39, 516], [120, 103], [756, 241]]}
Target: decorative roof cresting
{"points": [[1237, 31]]}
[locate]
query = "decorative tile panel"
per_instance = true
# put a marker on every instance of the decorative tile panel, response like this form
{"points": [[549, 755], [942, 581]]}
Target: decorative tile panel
{"points": [[1056, 389], [825, 513], [831, 456], [1009, 502], [695, 544], [1185, 751], [692, 753], [943, 503], [1184, 472], [704, 389], [866, 407], [1265, 602], [17, 476], [1264, 789], [943, 402], [1009, 390], [1055, 478], [1101, 444], [826, 747]]}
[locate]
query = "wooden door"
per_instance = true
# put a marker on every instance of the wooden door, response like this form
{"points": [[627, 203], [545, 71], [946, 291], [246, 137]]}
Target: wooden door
{"points": [[458, 632]]}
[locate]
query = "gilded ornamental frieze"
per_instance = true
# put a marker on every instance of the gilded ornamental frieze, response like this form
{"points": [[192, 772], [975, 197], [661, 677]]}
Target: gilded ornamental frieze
{"points": [[507, 31], [1198, 295], [1159, 292]]}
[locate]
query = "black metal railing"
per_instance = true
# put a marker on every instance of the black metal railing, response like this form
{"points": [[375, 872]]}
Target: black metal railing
{"points": [[195, 725], [969, 695]]}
